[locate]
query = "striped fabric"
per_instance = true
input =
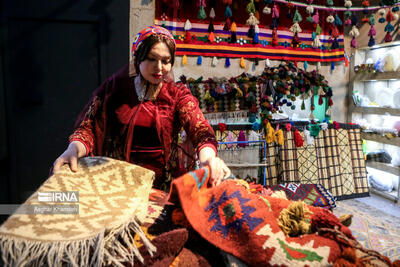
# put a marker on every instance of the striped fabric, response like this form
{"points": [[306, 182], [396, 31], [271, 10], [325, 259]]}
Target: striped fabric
{"points": [[284, 51], [335, 160]]}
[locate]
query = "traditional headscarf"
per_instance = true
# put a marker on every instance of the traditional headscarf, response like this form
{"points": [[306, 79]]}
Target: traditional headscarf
{"points": [[147, 32]]}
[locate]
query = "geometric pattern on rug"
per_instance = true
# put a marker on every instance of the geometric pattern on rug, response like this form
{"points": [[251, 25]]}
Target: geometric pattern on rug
{"points": [[358, 161], [345, 161], [373, 228], [307, 161], [111, 192], [312, 194]]}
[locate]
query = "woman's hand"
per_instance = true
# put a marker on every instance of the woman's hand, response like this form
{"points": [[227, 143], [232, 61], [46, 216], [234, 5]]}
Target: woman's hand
{"points": [[218, 168], [70, 156]]}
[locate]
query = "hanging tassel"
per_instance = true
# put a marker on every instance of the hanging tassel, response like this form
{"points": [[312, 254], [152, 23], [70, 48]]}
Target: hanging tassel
{"points": [[214, 61], [318, 65], [202, 13], [210, 27], [279, 137], [372, 31], [188, 37], [318, 29], [332, 68], [211, 37], [309, 138], [313, 35], [305, 65], [353, 43], [270, 134], [388, 37], [227, 24], [389, 27], [233, 38], [316, 43], [242, 64], [338, 21], [303, 105], [188, 25], [310, 9], [228, 12], [320, 100], [250, 32], [297, 139], [372, 19], [233, 27], [267, 10], [255, 39], [199, 60], [184, 60], [371, 41], [275, 12], [267, 63], [297, 17], [316, 17], [227, 62], [329, 2], [212, 13], [389, 16]]}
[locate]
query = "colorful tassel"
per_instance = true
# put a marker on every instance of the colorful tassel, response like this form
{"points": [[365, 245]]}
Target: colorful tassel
{"points": [[242, 64], [332, 68], [233, 27], [371, 19], [233, 38], [309, 138], [228, 12], [202, 13], [210, 27], [297, 17], [388, 37], [242, 137], [338, 21], [297, 139], [305, 65], [188, 37], [227, 62], [212, 13], [270, 134], [211, 37], [267, 63], [318, 29], [184, 60], [279, 137], [188, 25], [316, 18], [214, 61], [371, 41], [255, 38], [372, 31], [389, 27], [199, 60]]}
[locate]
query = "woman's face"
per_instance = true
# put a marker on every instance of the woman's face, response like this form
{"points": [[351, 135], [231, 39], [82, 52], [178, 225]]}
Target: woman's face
{"points": [[157, 64]]}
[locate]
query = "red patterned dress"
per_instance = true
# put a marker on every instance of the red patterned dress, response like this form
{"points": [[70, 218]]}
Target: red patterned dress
{"points": [[116, 124]]}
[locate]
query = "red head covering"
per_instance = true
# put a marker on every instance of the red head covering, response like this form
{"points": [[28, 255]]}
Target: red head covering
{"points": [[148, 31]]}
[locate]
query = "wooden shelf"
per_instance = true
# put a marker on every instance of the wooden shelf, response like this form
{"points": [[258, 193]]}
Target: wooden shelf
{"points": [[381, 139], [375, 110], [389, 195], [379, 76], [384, 167]]}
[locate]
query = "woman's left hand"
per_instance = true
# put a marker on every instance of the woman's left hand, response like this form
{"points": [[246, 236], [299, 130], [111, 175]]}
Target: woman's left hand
{"points": [[219, 170]]}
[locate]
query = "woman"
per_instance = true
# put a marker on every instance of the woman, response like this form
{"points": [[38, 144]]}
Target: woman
{"points": [[136, 116]]}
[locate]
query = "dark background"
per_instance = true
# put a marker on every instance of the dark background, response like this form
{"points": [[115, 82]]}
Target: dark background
{"points": [[53, 54]]}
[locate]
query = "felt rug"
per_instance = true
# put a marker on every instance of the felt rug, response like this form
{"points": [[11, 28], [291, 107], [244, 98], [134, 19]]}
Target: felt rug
{"points": [[113, 200], [373, 228], [246, 224]]}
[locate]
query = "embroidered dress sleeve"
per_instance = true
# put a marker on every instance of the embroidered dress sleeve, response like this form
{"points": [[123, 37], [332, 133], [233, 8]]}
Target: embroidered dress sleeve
{"points": [[84, 126], [196, 126]]}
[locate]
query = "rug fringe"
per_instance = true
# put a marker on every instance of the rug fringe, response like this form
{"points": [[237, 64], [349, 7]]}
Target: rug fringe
{"points": [[111, 247]]}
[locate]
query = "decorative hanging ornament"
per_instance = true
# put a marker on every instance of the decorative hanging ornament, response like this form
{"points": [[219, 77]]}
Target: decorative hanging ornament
{"points": [[316, 43], [267, 63], [310, 9], [242, 64], [297, 17], [251, 8], [330, 19], [228, 12], [316, 17], [348, 3], [210, 27], [212, 13], [211, 37], [184, 60], [188, 25], [214, 61], [252, 20], [227, 62], [199, 60], [295, 28], [202, 13], [267, 10]]}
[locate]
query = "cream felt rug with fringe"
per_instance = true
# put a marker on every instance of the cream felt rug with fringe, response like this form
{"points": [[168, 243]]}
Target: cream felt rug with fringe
{"points": [[113, 200]]}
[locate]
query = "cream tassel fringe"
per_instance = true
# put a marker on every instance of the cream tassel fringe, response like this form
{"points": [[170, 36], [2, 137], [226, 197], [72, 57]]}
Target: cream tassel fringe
{"points": [[114, 247]]}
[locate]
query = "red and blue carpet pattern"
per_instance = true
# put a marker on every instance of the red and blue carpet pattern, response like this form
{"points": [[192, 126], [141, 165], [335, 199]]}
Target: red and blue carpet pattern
{"points": [[312, 194], [245, 224]]}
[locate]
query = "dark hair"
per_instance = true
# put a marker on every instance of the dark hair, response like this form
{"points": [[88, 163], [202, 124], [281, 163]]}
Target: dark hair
{"points": [[145, 47]]}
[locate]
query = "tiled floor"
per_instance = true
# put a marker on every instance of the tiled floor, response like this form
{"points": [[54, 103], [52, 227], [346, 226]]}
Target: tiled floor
{"points": [[382, 204]]}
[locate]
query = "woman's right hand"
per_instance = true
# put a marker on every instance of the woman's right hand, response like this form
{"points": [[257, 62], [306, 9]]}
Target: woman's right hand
{"points": [[70, 156]]}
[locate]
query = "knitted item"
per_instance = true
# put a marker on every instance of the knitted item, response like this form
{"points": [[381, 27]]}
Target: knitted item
{"points": [[113, 198]]}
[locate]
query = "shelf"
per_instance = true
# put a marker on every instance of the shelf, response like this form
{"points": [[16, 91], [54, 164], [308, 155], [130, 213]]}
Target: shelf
{"points": [[378, 76], [376, 110], [384, 167], [383, 45], [389, 195], [381, 139]]}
